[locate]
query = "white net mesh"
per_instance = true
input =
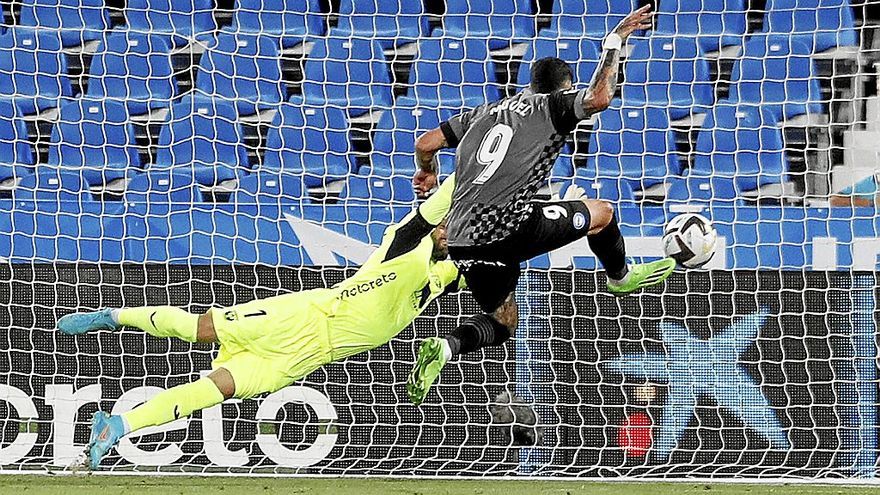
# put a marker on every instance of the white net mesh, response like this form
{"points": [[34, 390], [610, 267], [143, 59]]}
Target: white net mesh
{"points": [[202, 155]]}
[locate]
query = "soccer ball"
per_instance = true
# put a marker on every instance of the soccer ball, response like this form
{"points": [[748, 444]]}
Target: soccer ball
{"points": [[690, 240]]}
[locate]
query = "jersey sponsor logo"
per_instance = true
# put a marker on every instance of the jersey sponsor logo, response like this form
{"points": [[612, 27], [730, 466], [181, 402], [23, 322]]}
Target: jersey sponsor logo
{"points": [[230, 315], [519, 107], [579, 220], [365, 287]]}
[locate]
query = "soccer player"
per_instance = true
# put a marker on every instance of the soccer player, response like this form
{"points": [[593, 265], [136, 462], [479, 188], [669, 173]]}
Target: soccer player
{"points": [[267, 344], [505, 151]]}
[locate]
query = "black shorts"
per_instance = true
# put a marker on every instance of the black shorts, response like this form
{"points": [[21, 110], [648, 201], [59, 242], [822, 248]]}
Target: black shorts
{"points": [[492, 270]]}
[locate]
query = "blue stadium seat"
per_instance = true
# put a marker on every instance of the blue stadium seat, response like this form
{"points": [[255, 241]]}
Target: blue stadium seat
{"points": [[713, 23], [820, 24], [204, 139], [453, 72], [77, 21], [310, 141], [609, 189], [134, 69], [162, 188], [777, 72], [395, 136], [636, 145], [348, 73], [16, 155], [290, 20], [270, 188], [563, 169], [582, 54], [587, 18], [741, 146], [181, 20], [243, 68], [668, 72], [500, 22], [52, 185], [397, 189], [389, 23], [33, 69], [95, 139]]}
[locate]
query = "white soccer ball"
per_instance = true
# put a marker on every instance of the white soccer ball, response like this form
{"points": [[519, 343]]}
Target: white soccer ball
{"points": [[690, 239]]}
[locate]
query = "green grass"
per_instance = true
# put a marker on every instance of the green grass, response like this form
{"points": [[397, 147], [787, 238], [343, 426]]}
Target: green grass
{"points": [[144, 485]]}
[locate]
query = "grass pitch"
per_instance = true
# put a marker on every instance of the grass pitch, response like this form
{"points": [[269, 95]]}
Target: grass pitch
{"points": [[148, 485]]}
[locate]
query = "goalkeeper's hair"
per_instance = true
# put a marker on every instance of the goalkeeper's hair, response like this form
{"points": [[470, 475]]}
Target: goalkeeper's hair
{"points": [[549, 74]]}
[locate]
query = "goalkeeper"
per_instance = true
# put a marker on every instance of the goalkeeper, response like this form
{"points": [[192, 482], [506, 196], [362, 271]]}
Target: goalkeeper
{"points": [[267, 344]]}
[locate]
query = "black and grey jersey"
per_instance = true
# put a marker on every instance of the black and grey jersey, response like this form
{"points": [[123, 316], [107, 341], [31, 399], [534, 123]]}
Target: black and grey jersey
{"points": [[505, 152]]}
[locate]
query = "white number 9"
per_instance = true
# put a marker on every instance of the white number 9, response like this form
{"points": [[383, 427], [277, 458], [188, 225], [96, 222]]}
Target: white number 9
{"points": [[493, 150], [555, 212]]}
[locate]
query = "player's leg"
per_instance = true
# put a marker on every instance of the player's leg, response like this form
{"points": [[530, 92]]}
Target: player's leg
{"points": [[492, 285], [167, 406], [607, 243], [158, 321]]}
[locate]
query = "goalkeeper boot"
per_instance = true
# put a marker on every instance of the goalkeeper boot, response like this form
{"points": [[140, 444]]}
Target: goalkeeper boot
{"points": [[79, 323], [430, 362], [106, 432], [642, 275]]}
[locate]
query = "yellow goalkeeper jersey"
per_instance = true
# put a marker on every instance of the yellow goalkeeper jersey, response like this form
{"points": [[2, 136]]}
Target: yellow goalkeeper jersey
{"points": [[395, 284]]}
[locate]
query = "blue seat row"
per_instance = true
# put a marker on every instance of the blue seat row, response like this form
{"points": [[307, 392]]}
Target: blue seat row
{"points": [[739, 148]]}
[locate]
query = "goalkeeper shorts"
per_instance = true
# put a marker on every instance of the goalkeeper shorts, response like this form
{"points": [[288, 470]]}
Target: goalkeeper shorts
{"points": [[267, 344]]}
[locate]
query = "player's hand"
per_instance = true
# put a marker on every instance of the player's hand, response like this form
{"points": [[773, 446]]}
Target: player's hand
{"points": [[424, 182], [573, 192], [636, 20]]}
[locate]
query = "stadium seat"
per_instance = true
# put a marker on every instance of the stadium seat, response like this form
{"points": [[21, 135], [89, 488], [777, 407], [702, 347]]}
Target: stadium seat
{"points": [[134, 69], [397, 189], [290, 20], [395, 136], [16, 155], [713, 23], [820, 24], [581, 54], [389, 23], [739, 145], [77, 21], [349, 73], [33, 69], [52, 185], [635, 145], [614, 190], [204, 139], [499, 22], [270, 188], [310, 141], [162, 188], [243, 68], [95, 139], [182, 20], [777, 72], [668, 72], [453, 73], [587, 18], [563, 169]]}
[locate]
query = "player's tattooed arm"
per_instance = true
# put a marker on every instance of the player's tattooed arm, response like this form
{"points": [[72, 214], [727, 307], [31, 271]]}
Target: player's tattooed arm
{"points": [[604, 83]]}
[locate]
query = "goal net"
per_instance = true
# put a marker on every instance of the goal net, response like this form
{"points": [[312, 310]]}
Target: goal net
{"points": [[203, 154]]}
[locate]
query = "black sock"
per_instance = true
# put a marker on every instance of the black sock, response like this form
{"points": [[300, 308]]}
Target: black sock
{"points": [[609, 247], [477, 332]]}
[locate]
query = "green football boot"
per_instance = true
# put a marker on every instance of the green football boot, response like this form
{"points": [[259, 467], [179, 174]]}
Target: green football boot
{"points": [[642, 275], [427, 369]]}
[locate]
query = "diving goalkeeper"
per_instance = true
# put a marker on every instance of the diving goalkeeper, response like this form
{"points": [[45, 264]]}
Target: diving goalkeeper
{"points": [[267, 344]]}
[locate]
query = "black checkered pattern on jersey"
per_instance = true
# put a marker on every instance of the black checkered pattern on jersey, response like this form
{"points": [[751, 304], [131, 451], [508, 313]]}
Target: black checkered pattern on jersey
{"points": [[491, 223]]}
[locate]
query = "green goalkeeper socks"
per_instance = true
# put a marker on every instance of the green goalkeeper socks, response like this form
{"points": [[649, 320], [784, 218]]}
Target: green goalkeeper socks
{"points": [[161, 321], [174, 403]]}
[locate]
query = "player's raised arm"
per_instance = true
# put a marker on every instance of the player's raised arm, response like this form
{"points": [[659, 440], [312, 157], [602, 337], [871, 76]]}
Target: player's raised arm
{"points": [[603, 86]]}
